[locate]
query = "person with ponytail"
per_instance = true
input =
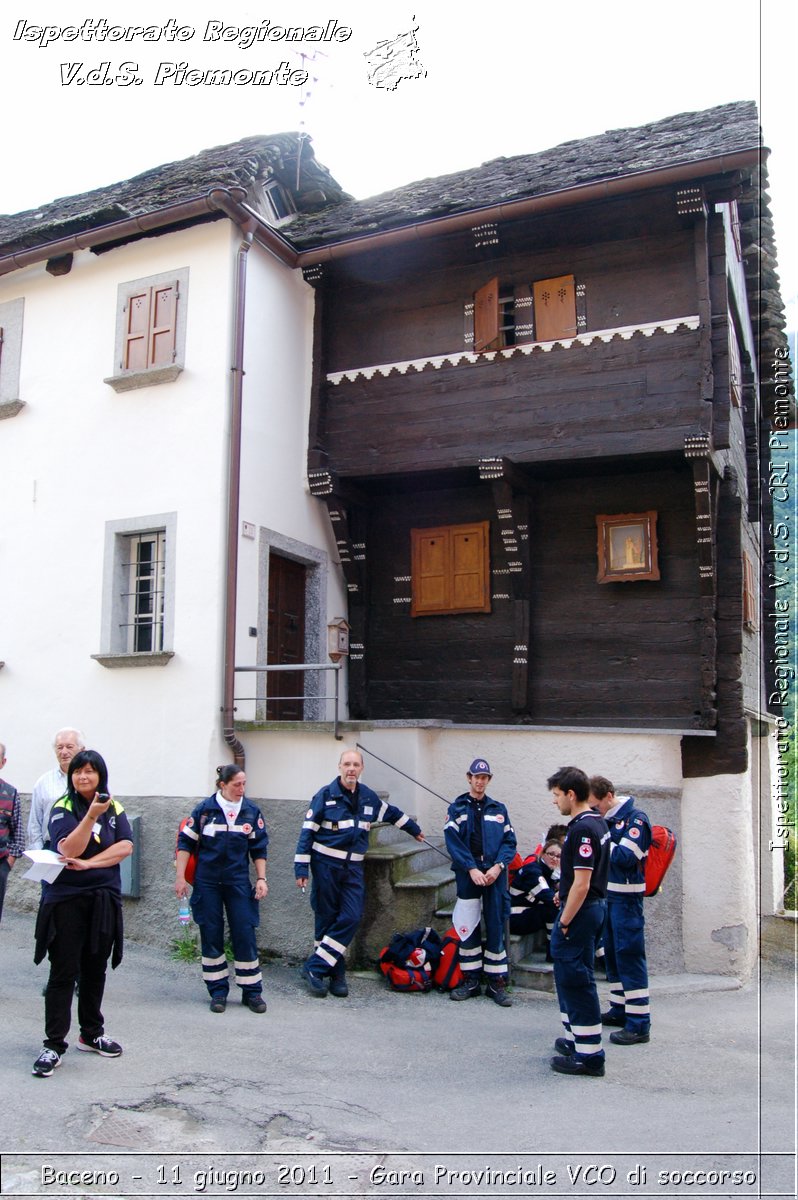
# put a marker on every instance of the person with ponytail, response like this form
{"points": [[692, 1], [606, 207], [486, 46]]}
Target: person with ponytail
{"points": [[227, 832]]}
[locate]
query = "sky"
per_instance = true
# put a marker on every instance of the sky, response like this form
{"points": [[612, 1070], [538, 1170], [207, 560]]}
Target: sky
{"points": [[538, 75]]}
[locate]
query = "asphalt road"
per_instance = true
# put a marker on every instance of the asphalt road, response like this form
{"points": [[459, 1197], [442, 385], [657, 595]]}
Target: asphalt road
{"points": [[392, 1082]]}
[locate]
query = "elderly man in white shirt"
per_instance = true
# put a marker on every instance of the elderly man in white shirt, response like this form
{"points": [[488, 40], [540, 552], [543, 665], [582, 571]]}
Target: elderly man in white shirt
{"points": [[51, 786]]}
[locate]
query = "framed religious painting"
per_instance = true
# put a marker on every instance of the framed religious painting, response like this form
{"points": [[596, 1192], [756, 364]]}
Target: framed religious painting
{"points": [[627, 547]]}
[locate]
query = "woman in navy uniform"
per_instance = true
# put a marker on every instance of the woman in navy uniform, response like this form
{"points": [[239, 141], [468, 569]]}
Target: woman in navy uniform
{"points": [[227, 831]]}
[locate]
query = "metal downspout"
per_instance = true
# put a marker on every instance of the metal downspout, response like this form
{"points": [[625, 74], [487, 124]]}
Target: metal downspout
{"points": [[233, 498]]}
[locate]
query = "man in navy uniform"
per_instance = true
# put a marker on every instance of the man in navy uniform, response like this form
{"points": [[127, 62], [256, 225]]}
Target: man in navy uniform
{"points": [[333, 844], [584, 866], [624, 932], [481, 842]]}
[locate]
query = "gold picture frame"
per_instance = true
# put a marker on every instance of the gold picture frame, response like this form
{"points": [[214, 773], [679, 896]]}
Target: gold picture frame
{"points": [[627, 547]]}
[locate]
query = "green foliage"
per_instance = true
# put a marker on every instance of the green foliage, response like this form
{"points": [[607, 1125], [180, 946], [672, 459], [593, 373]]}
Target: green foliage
{"points": [[184, 948]]}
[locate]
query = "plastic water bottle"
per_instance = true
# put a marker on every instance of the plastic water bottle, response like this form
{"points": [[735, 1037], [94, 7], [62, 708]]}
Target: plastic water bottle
{"points": [[183, 911]]}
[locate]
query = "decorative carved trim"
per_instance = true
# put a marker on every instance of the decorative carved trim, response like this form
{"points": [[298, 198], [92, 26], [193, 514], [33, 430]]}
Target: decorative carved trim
{"points": [[313, 274], [689, 201], [469, 358], [485, 235]]}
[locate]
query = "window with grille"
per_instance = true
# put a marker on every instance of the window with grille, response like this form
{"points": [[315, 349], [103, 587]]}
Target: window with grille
{"points": [[138, 608], [145, 596]]}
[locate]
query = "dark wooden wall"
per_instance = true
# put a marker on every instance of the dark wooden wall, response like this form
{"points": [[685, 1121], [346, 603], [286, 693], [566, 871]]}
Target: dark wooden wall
{"points": [[390, 315], [601, 654]]}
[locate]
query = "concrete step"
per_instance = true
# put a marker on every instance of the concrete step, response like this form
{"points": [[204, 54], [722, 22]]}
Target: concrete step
{"points": [[533, 973]]}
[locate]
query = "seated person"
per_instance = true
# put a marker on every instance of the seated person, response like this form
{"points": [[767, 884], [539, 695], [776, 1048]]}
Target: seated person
{"points": [[532, 892]]}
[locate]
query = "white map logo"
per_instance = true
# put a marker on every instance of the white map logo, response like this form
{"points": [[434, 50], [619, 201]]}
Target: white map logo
{"points": [[395, 59]]}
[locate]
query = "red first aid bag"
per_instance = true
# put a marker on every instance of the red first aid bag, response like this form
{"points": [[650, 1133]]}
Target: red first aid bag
{"points": [[447, 975], [660, 857]]}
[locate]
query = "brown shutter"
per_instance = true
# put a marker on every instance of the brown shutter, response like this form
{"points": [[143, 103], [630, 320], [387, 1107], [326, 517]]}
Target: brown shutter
{"points": [[469, 568], [450, 569], [430, 566], [137, 327], [486, 316], [164, 325], [555, 308]]}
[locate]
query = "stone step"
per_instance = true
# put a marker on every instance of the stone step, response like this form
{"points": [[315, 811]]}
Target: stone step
{"points": [[533, 973]]}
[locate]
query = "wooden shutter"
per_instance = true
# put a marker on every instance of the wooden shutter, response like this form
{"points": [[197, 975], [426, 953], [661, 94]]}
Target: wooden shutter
{"points": [[137, 329], [164, 325], [486, 316], [150, 328], [450, 569], [430, 563], [555, 308], [469, 576]]}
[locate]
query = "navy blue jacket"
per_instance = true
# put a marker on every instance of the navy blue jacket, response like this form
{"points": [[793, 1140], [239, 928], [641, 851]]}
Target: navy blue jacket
{"points": [[336, 826], [224, 852], [498, 835], [630, 831]]}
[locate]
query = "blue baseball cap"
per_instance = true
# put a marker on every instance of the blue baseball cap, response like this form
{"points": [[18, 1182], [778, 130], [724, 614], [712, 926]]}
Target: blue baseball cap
{"points": [[479, 767]]}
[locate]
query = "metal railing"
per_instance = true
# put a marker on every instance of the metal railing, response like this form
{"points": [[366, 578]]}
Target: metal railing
{"points": [[335, 667]]}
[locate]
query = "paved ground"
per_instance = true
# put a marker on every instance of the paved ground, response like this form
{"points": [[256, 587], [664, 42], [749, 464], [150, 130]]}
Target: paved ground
{"points": [[409, 1081]]}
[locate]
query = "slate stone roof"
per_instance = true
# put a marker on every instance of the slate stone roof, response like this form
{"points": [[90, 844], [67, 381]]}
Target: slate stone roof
{"points": [[687, 137], [238, 164]]}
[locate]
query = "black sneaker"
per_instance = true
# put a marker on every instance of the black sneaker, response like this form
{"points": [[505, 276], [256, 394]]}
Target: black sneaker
{"points": [[498, 994], [465, 990], [609, 1018], [46, 1063], [218, 1004], [255, 1003], [566, 1065], [564, 1047], [105, 1046], [315, 984]]}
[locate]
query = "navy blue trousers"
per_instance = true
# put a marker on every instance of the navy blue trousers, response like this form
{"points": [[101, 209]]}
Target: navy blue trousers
{"points": [[337, 894], [573, 957], [627, 970], [209, 902], [492, 958]]}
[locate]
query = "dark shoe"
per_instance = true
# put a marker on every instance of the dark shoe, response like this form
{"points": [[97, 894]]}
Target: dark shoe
{"points": [[105, 1046], [339, 986], [628, 1037], [465, 990], [576, 1066], [46, 1063], [564, 1047], [218, 1003], [609, 1018], [255, 1003], [315, 984], [498, 994]]}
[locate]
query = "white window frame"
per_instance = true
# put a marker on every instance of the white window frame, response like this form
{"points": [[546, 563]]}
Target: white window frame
{"points": [[123, 380], [117, 636]]}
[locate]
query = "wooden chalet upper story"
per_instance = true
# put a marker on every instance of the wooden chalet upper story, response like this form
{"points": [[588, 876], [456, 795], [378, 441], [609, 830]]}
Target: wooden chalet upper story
{"points": [[589, 301]]}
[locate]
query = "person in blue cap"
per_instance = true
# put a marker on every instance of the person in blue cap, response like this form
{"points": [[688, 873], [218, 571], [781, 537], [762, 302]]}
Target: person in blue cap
{"points": [[482, 843]]}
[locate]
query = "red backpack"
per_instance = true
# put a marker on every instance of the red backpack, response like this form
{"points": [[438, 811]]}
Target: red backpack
{"points": [[447, 975], [519, 862], [409, 960], [660, 857]]}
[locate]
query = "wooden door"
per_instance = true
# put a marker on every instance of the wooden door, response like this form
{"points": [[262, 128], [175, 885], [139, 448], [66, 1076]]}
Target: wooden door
{"points": [[286, 638]]}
